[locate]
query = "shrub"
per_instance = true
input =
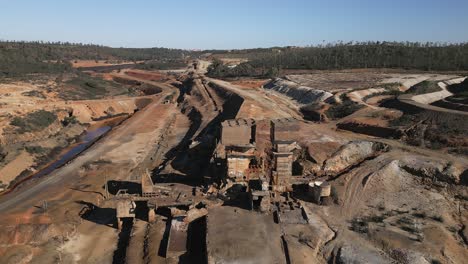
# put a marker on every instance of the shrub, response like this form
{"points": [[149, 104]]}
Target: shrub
{"points": [[34, 93], [359, 225], [69, 120], [34, 121], [376, 218], [419, 214], [87, 87], [395, 93], [161, 65], [35, 149], [2, 153], [399, 255], [437, 218], [410, 229], [334, 195], [424, 87], [342, 110]]}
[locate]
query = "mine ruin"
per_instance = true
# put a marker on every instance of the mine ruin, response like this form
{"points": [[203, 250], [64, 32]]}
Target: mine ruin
{"points": [[126, 161]]}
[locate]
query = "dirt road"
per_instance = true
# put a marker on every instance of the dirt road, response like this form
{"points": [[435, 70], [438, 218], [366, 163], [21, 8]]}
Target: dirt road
{"points": [[424, 101], [256, 103], [127, 143]]}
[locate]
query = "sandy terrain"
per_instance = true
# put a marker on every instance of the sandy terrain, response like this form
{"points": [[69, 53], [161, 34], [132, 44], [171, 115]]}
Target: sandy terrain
{"points": [[252, 238], [256, 104], [250, 83], [389, 201], [15, 167]]}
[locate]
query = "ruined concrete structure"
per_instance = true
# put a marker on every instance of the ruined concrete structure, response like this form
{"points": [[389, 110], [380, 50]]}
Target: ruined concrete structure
{"points": [[177, 241], [155, 196], [284, 129], [125, 209], [318, 190], [260, 194], [270, 170], [238, 132], [239, 159], [282, 172], [238, 139], [283, 134], [147, 186]]}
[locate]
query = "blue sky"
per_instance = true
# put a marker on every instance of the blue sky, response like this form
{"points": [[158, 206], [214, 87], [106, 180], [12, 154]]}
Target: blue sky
{"points": [[210, 24]]}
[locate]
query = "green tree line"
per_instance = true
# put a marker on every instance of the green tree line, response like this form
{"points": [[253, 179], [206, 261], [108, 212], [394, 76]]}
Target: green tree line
{"points": [[403, 55], [19, 58]]}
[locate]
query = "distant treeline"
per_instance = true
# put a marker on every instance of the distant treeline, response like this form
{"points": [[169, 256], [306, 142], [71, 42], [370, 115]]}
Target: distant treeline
{"points": [[161, 65], [402, 55], [19, 58]]}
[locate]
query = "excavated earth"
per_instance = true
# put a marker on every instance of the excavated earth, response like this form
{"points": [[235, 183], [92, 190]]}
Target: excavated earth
{"points": [[390, 202]]}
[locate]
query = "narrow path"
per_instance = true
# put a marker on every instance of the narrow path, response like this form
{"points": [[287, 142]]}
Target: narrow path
{"points": [[262, 101]]}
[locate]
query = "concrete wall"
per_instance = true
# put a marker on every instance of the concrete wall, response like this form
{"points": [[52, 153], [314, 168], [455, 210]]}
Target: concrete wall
{"points": [[237, 166], [237, 132], [285, 147], [238, 135], [284, 130], [283, 165]]}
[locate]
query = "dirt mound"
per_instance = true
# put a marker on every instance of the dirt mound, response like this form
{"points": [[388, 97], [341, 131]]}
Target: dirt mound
{"points": [[299, 93], [87, 111], [394, 203], [351, 154], [354, 254], [433, 169], [338, 81]]}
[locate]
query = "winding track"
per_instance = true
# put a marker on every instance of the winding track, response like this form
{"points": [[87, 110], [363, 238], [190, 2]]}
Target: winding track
{"points": [[424, 100], [29, 195]]}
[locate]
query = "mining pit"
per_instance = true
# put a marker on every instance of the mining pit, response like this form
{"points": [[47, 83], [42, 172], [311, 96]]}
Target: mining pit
{"points": [[184, 168]]}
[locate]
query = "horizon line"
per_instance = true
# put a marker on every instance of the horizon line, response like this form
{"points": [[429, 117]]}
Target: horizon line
{"points": [[352, 42]]}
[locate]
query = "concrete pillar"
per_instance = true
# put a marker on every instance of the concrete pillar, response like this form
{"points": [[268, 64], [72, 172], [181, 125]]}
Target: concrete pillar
{"points": [[152, 215]]}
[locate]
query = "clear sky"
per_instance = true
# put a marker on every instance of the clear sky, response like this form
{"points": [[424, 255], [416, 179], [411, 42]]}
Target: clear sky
{"points": [[226, 24]]}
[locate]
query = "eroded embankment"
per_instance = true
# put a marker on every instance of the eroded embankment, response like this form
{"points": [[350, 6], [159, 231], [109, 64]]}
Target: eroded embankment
{"points": [[203, 130], [428, 101], [192, 161], [88, 111], [449, 103], [86, 140], [302, 94]]}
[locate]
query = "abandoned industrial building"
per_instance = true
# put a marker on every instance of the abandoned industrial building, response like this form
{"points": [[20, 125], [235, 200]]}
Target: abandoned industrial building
{"points": [[264, 176]]}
